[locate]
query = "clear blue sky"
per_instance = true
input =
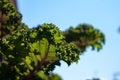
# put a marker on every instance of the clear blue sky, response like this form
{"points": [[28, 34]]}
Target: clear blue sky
{"points": [[102, 14]]}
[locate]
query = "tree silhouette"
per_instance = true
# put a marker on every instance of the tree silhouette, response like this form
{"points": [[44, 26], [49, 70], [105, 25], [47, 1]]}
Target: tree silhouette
{"points": [[33, 54]]}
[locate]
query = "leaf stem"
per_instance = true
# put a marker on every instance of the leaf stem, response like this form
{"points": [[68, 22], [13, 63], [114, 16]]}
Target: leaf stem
{"points": [[38, 65]]}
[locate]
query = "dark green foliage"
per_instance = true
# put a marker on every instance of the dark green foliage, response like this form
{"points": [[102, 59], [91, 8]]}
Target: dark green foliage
{"points": [[32, 54], [10, 18], [85, 35]]}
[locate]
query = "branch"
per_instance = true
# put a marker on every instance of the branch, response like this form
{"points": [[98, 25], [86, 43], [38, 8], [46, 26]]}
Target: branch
{"points": [[84, 43]]}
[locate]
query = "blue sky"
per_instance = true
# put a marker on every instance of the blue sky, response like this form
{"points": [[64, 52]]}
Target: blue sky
{"points": [[102, 14]]}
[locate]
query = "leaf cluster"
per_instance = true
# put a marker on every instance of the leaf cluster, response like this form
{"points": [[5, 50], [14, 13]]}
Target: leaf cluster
{"points": [[85, 35], [10, 18], [33, 54]]}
